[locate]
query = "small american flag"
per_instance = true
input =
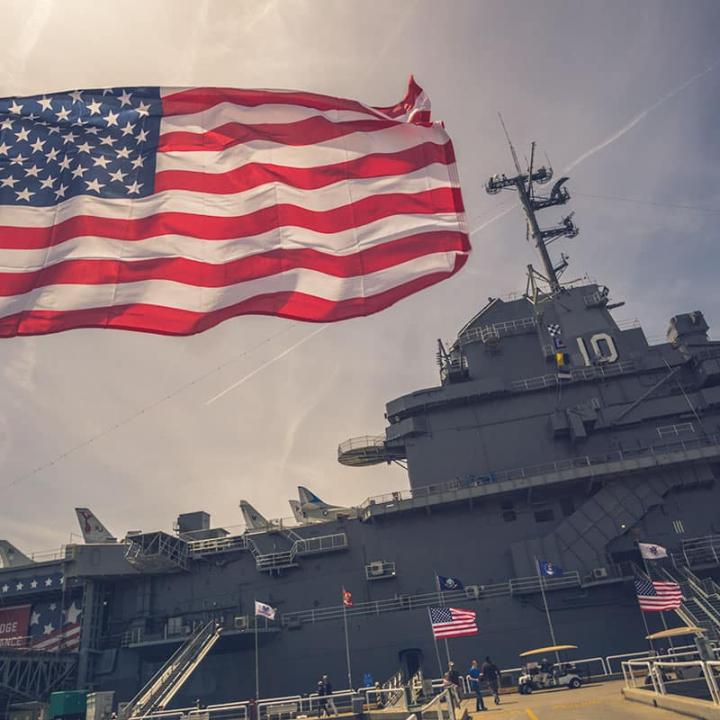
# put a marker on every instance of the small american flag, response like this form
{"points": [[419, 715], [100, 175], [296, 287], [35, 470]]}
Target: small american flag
{"points": [[169, 210], [452, 622], [658, 595]]}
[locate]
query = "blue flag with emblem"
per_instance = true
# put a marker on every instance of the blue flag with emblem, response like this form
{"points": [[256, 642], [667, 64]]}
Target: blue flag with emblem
{"points": [[450, 583], [549, 569]]}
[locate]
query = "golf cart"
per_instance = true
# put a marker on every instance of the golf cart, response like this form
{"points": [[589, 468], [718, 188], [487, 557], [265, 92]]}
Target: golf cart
{"points": [[543, 675]]}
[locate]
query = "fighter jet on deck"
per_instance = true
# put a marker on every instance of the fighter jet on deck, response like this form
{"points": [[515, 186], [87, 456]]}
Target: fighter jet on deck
{"points": [[311, 509]]}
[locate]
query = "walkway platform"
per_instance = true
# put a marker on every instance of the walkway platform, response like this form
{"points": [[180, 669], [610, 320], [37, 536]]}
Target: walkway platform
{"points": [[595, 701]]}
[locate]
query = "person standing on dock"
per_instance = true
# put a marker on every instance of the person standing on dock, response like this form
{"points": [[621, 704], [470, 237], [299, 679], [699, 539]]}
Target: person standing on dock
{"points": [[491, 674], [476, 686], [326, 704]]}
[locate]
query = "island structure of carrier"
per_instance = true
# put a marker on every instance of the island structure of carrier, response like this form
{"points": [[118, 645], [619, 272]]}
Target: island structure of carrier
{"points": [[554, 435]]}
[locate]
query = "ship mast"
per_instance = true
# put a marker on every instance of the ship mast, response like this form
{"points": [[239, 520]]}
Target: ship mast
{"points": [[524, 183]]}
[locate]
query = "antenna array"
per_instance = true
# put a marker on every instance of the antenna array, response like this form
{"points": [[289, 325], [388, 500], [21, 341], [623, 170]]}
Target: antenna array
{"points": [[532, 202]]}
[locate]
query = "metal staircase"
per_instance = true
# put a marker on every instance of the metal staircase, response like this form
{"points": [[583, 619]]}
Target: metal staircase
{"points": [[580, 539], [699, 606], [164, 685]]}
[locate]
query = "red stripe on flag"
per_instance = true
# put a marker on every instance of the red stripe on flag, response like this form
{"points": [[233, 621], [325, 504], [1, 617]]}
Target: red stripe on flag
{"points": [[194, 100], [171, 321], [370, 209], [413, 93], [303, 132], [253, 175], [200, 274]]}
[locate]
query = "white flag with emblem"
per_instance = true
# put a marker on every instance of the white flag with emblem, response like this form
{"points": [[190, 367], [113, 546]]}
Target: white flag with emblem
{"points": [[650, 551], [264, 610]]}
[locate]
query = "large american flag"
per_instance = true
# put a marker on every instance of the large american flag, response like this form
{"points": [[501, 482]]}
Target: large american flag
{"points": [[55, 626], [171, 210], [452, 622], [658, 595]]}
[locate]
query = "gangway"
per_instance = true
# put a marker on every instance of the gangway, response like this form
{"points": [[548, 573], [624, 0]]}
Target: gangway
{"points": [[165, 684]]}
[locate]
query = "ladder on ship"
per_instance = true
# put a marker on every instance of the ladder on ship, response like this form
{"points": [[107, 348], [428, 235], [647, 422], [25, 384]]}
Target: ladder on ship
{"points": [[164, 685]]}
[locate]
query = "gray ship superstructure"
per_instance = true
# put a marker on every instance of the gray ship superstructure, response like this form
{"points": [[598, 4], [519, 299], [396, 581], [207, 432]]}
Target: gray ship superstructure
{"points": [[554, 434]]}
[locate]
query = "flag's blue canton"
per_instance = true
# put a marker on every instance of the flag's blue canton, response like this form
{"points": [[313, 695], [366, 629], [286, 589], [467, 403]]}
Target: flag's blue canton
{"points": [[440, 615], [10, 587], [645, 587], [100, 143]]}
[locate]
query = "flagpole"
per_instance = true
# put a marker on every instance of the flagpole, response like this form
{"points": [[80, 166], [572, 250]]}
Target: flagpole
{"points": [[257, 666], [441, 601], [347, 645], [662, 614], [647, 629], [547, 609], [437, 650]]}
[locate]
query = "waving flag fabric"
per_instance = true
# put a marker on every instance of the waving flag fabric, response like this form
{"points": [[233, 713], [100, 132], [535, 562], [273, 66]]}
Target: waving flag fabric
{"points": [[658, 595], [650, 551], [171, 210], [452, 622], [264, 610]]}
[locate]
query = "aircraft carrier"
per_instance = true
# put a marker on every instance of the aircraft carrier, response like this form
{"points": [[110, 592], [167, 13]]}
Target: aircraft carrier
{"points": [[553, 433]]}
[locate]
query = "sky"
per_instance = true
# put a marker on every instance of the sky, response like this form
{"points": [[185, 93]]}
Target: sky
{"points": [[141, 428]]}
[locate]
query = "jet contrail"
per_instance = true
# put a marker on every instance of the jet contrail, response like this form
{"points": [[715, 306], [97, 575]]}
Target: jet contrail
{"points": [[266, 364], [616, 135], [641, 116], [491, 220]]}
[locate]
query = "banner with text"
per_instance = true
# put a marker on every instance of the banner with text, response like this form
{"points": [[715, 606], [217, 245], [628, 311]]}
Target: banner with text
{"points": [[14, 622]]}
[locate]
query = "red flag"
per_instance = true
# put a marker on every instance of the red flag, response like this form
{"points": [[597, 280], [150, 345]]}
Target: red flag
{"points": [[169, 210], [347, 598]]}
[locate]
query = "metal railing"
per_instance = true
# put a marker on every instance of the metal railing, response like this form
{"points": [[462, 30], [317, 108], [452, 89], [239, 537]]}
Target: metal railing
{"points": [[497, 330], [529, 471], [576, 375], [698, 551], [361, 442], [443, 705], [654, 671], [516, 586]]}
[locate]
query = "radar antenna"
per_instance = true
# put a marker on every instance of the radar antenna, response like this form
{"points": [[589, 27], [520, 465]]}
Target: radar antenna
{"points": [[531, 201]]}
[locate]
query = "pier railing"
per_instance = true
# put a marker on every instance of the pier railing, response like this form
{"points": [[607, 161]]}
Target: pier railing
{"points": [[669, 677]]}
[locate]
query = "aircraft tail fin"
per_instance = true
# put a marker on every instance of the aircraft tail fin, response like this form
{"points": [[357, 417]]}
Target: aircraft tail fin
{"points": [[297, 511], [93, 531], [253, 519], [308, 497], [10, 556]]}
